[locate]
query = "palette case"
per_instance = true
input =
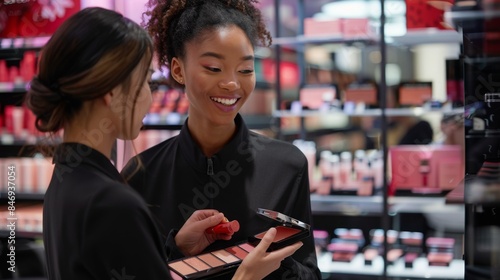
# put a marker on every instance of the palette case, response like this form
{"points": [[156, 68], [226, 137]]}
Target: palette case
{"points": [[289, 230], [213, 264]]}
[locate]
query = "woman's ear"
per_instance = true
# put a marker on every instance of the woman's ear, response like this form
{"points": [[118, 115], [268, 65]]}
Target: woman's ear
{"points": [[176, 70], [108, 98]]}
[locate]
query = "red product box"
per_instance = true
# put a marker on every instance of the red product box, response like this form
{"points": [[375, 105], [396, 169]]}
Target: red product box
{"points": [[355, 28], [426, 13], [314, 27]]}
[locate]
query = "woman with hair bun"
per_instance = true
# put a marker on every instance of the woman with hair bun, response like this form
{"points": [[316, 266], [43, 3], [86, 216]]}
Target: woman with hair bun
{"points": [[93, 83], [216, 161]]}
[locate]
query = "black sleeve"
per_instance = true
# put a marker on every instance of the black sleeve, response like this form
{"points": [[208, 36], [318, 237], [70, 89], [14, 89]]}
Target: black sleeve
{"points": [[121, 241], [303, 264], [171, 248]]}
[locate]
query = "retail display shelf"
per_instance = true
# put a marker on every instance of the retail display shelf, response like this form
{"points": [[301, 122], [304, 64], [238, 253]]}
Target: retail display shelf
{"points": [[417, 111], [372, 205], [9, 88], [346, 204], [335, 38], [23, 43], [426, 36], [453, 16], [421, 268], [422, 205]]}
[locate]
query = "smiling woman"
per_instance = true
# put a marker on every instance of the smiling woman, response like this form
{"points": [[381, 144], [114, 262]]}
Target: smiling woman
{"points": [[216, 161]]}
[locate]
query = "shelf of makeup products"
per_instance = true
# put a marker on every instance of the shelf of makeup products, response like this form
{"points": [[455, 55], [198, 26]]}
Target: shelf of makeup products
{"points": [[410, 254], [411, 37]]}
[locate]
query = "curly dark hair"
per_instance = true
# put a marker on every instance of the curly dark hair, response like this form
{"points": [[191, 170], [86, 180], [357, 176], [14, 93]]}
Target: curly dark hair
{"points": [[173, 23]]}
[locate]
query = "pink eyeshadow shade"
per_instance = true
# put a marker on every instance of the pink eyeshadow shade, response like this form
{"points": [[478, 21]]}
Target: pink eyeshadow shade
{"points": [[197, 263], [247, 247], [210, 260], [225, 256], [238, 252], [281, 233], [182, 268]]}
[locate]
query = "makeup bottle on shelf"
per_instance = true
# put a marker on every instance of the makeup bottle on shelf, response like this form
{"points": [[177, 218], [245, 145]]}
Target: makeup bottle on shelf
{"points": [[325, 184], [365, 184], [359, 164], [335, 170], [345, 170], [4, 74]]}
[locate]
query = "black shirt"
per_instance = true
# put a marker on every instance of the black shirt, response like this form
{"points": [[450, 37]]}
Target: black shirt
{"points": [[251, 171], [95, 226]]}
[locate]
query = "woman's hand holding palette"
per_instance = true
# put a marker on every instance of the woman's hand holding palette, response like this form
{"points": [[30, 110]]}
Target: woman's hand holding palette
{"points": [[288, 232]]}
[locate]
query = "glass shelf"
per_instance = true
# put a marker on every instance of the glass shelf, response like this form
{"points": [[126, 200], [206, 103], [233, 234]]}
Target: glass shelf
{"points": [[23, 43], [418, 111], [426, 36], [421, 268], [372, 205], [339, 39]]}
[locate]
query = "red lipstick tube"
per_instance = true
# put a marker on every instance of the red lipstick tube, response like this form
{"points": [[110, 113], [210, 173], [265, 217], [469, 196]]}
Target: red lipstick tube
{"points": [[224, 228]]}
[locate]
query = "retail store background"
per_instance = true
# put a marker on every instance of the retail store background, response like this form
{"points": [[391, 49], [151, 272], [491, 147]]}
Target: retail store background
{"points": [[406, 62]]}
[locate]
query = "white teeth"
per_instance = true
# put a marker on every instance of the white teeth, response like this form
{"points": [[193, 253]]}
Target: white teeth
{"points": [[224, 100]]}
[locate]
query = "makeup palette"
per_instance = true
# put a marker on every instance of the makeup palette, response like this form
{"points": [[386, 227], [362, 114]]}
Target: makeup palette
{"points": [[210, 264], [223, 261], [288, 230]]}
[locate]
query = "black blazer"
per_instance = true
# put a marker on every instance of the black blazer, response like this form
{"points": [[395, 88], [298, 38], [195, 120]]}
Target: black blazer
{"points": [[95, 226]]}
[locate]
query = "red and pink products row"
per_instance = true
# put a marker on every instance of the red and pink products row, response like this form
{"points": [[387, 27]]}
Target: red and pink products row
{"points": [[18, 75], [345, 173], [347, 243], [165, 102], [425, 169], [30, 175], [18, 124], [22, 219], [342, 27], [149, 138]]}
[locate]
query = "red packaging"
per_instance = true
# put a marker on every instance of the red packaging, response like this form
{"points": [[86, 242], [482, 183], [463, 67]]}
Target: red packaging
{"points": [[426, 13], [26, 20]]}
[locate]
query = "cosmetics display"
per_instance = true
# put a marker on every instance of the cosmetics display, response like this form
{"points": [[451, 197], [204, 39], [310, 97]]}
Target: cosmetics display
{"points": [[17, 125], [412, 242], [341, 27], [32, 174], [222, 261], [169, 106], [414, 93], [27, 218], [425, 169], [345, 174], [346, 244], [318, 97], [439, 250]]}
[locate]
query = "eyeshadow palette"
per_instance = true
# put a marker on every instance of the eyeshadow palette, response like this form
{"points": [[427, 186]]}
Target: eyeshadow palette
{"points": [[222, 261], [210, 264]]}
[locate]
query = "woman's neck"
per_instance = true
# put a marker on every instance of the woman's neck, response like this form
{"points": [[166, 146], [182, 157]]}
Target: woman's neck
{"points": [[95, 132], [211, 139]]}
